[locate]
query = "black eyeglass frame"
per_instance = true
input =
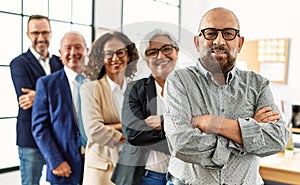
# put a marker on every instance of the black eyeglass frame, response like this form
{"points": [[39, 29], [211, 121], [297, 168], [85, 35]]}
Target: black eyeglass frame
{"points": [[160, 49], [37, 33], [112, 53], [237, 33]]}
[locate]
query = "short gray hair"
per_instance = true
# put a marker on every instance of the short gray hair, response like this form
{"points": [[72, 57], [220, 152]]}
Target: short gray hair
{"points": [[145, 43], [73, 32]]}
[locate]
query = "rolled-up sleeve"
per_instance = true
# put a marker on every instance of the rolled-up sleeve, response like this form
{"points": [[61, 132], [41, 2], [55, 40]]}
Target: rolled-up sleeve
{"points": [[262, 139]]}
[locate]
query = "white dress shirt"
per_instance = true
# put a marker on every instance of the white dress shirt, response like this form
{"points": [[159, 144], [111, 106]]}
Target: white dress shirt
{"points": [[117, 93], [45, 62], [118, 97], [71, 76], [158, 161]]}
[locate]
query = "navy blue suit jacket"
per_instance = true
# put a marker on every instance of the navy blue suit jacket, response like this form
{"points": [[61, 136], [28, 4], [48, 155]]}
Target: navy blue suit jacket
{"points": [[54, 126], [25, 70]]}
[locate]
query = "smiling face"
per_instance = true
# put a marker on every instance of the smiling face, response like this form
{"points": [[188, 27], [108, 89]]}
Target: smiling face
{"points": [[162, 65], [73, 51], [116, 61], [218, 55], [39, 33]]}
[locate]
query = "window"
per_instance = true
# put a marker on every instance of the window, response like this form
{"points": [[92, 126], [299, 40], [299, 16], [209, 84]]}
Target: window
{"points": [[15, 14], [149, 15]]}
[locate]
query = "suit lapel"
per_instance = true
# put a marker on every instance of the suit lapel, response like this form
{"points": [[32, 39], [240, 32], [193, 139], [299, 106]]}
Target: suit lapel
{"points": [[55, 63], [65, 89], [34, 63], [151, 95], [109, 98]]}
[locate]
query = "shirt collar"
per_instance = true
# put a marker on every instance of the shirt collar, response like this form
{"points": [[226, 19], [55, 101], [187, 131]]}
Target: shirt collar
{"points": [[114, 86], [158, 88], [208, 74], [37, 55], [71, 75]]}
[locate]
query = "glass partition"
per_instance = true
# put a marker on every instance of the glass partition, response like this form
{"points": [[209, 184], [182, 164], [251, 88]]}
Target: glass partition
{"points": [[64, 16]]}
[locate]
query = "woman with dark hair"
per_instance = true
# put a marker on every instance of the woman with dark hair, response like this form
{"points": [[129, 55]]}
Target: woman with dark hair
{"points": [[96, 62], [112, 59]]}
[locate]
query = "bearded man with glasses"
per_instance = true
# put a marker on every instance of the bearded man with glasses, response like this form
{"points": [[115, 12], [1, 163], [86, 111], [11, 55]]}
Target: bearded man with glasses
{"points": [[220, 120]]}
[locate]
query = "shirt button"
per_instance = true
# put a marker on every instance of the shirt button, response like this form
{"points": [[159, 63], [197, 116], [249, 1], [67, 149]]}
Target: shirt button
{"points": [[223, 110]]}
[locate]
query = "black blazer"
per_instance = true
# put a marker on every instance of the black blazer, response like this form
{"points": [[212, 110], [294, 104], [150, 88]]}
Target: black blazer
{"points": [[25, 70], [139, 103]]}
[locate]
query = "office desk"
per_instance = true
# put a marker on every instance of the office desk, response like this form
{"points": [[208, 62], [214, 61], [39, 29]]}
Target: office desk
{"points": [[280, 169]]}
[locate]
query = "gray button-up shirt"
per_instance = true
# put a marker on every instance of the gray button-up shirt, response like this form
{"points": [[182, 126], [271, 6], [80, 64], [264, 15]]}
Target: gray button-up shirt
{"points": [[203, 159]]}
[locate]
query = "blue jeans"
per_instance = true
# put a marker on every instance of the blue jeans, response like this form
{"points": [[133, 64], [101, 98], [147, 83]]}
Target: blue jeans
{"points": [[170, 182], [31, 165], [65, 184], [151, 177]]}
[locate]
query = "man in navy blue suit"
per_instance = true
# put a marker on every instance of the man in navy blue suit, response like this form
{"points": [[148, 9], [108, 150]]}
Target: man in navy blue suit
{"points": [[55, 125], [25, 70]]}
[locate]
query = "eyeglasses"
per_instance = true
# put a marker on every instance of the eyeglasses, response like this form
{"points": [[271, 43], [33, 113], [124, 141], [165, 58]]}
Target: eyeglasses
{"points": [[165, 49], [120, 53], [37, 33], [212, 33]]}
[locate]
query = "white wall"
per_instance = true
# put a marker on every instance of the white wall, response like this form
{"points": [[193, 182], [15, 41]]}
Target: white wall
{"points": [[259, 19], [108, 14]]}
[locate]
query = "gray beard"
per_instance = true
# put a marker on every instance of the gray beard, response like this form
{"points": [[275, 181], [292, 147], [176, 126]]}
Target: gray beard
{"points": [[212, 64]]}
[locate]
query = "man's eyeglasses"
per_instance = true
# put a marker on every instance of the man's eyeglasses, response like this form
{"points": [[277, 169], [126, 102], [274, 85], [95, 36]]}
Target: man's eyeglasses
{"points": [[120, 53], [37, 33], [212, 33], [165, 49]]}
